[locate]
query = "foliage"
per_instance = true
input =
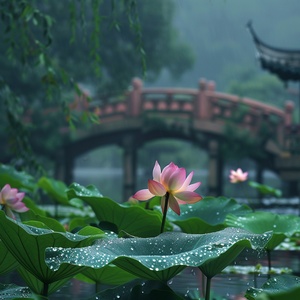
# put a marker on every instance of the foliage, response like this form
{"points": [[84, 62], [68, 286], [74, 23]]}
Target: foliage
{"points": [[265, 88], [208, 215], [277, 288], [164, 256], [244, 142], [147, 223], [55, 47], [12, 291], [7, 262], [19, 238], [257, 222], [265, 189], [135, 257]]}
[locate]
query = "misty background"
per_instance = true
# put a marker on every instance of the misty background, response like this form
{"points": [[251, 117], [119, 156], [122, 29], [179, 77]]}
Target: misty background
{"points": [[223, 51], [50, 50]]}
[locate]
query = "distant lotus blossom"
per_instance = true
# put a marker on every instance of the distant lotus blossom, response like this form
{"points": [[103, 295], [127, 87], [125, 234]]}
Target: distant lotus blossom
{"points": [[11, 200], [238, 176], [172, 183]]}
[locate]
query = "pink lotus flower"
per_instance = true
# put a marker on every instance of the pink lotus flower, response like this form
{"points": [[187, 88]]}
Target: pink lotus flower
{"points": [[238, 176], [172, 183], [11, 200]]}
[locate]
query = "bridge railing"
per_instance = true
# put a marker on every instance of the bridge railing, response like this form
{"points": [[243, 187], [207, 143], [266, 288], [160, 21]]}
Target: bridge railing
{"points": [[255, 116], [171, 104], [204, 103]]}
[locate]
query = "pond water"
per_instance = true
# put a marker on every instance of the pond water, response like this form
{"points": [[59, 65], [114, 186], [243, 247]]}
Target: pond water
{"points": [[190, 281]]}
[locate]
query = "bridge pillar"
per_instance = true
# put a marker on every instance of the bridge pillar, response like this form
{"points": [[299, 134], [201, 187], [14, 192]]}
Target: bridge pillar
{"points": [[202, 103], [68, 166], [64, 165], [135, 101], [129, 166], [215, 174]]}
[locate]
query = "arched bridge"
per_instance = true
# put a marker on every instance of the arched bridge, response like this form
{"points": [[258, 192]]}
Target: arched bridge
{"points": [[203, 116]]}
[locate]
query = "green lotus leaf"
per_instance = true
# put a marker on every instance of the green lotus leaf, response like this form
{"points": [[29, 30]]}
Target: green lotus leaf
{"points": [[12, 291], [37, 286], [55, 189], [47, 222], [281, 287], [151, 204], [265, 189], [33, 209], [109, 274], [258, 222], [133, 220], [7, 261], [79, 222], [207, 215], [27, 244], [16, 179], [161, 257]]}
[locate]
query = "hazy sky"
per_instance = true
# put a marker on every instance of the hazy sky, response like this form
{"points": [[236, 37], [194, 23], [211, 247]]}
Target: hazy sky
{"points": [[216, 31]]}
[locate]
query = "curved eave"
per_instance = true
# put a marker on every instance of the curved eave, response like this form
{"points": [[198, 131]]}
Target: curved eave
{"points": [[285, 73], [259, 43], [283, 62]]}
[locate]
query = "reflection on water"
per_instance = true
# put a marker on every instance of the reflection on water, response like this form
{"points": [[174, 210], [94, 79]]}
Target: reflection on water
{"points": [[232, 286], [189, 282], [227, 286]]}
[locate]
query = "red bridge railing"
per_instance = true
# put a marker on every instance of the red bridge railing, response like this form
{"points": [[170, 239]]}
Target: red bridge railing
{"points": [[202, 104]]}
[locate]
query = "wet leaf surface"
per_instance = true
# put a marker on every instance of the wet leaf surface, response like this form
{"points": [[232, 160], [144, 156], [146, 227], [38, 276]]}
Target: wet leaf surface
{"points": [[164, 256]]}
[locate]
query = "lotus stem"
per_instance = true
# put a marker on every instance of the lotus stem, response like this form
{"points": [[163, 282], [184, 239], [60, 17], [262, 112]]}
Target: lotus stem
{"points": [[165, 213], [207, 290], [97, 287], [56, 210], [45, 289], [269, 263], [147, 205], [203, 277], [255, 280]]}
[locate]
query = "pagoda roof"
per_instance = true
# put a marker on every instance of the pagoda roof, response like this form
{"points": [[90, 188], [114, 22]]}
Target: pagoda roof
{"points": [[285, 63]]}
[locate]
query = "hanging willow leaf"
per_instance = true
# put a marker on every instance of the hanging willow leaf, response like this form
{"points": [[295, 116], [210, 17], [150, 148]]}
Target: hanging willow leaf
{"points": [[164, 256]]}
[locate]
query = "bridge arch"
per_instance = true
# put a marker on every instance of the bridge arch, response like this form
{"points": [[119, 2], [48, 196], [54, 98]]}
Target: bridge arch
{"points": [[196, 115]]}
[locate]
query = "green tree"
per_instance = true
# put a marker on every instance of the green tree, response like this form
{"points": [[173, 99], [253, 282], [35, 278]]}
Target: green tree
{"points": [[264, 87], [48, 47]]}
